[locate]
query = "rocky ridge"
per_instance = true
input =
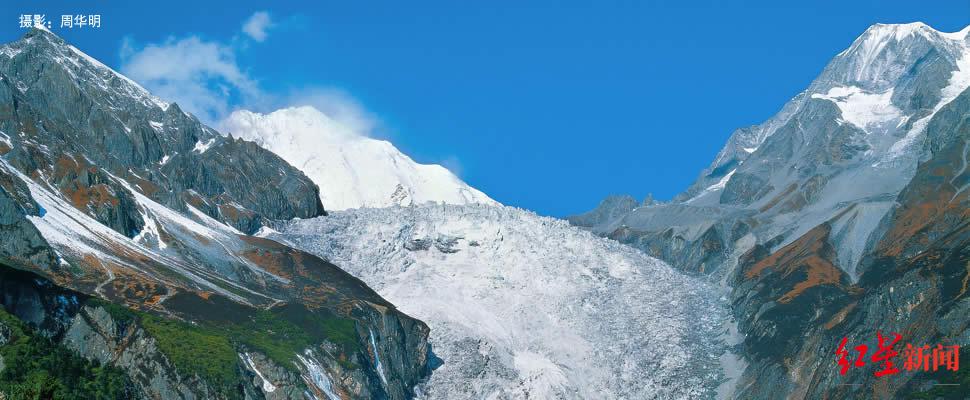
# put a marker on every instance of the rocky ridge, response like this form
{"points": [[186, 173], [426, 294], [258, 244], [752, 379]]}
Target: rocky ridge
{"points": [[843, 214], [139, 213]]}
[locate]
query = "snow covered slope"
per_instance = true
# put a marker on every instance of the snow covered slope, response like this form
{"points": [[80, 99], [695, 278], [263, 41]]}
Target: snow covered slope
{"points": [[108, 194], [351, 169], [522, 306]]}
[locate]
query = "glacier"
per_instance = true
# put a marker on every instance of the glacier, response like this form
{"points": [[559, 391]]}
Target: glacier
{"points": [[524, 306]]}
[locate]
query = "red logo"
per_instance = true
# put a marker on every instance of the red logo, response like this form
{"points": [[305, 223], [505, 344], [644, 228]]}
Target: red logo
{"points": [[923, 358]]}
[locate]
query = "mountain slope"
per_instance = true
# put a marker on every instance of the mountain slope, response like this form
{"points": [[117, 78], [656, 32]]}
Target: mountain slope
{"points": [[110, 196], [522, 306], [352, 170], [842, 215]]}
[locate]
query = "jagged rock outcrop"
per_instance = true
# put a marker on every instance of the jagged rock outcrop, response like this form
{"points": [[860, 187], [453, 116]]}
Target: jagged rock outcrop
{"points": [[109, 193], [842, 215], [79, 121]]}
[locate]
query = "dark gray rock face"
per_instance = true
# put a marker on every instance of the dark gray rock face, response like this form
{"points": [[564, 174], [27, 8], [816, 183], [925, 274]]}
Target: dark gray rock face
{"points": [[842, 215], [111, 195], [609, 209], [86, 116]]}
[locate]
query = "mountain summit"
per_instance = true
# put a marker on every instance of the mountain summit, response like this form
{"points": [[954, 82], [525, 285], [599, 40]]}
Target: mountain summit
{"points": [[352, 170], [885, 87], [842, 215]]}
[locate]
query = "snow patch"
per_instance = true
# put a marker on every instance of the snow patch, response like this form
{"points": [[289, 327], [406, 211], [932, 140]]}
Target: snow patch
{"points": [[377, 359], [201, 147], [864, 110], [317, 376], [713, 188], [268, 387], [959, 82], [150, 231]]}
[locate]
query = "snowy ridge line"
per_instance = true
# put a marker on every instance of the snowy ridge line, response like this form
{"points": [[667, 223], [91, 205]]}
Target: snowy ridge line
{"points": [[351, 169], [73, 232], [213, 230]]}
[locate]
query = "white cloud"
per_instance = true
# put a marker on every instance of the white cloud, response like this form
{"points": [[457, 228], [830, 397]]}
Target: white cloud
{"points": [[202, 77], [205, 79], [453, 164], [257, 26], [338, 106]]}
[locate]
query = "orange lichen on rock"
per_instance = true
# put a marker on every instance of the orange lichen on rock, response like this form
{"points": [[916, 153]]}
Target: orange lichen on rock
{"points": [[809, 254], [95, 195], [820, 272], [195, 200], [274, 263], [839, 316], [146, 187], [928, 208], [229, 211], [774, 201]]}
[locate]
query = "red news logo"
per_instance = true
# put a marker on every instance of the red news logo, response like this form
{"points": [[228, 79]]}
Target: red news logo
{"points": [[924, 358]]}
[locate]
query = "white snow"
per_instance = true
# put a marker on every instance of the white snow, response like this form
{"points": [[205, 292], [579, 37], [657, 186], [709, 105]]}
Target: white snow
{"points": [[42, 27], [713, 188], [377, 358], [150, 231], [522, 306], [76, 236], [723, 182], [959, 81], [351, 169], [164, 160], [158, 126], [268, 387], [958, 35], [870, 61], [9, 51], [316, 375], [864, 110], [202, 147], [139, 91], [265, 232]]}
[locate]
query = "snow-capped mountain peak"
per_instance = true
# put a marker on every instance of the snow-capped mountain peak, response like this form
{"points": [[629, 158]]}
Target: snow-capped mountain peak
{"points": [[352, 170], [887, 84], [884, 53]]}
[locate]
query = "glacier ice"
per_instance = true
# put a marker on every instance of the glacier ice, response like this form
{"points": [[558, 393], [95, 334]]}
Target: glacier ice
{"points": [[523, 306]]}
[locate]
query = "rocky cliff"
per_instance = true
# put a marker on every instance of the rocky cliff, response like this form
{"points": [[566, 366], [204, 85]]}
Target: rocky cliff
{"points": [[134, 216], [842, 215]]}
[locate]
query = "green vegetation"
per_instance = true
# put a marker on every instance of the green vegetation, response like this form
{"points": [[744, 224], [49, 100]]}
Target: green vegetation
{"points": [[209, 349], [195, 350], [117, 312], [36, 368]]}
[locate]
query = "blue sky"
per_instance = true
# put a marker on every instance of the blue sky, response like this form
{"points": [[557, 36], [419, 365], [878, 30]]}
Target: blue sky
{"points": [[548, 106]]}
